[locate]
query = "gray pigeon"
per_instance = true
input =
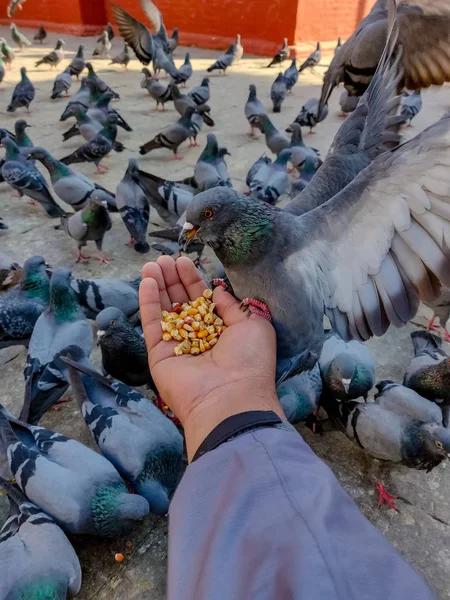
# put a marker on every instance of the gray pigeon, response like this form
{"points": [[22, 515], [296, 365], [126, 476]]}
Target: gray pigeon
{"points": [[123, 58], [77, 63], [18, 38], [307, 172], [428, 373], [271, 181], [313, 59], [347, 103], [23, 94], [278, 92], [133, 206], [55, 57], [181, 102], [184, 72], [208, 172], [201, 93], [62, 84], [172, 136], [157, 90], [103, 47], [307, 117], [135, 34], [38, 559], [253, 110], [173, 41], [291, 75], [276, 141], [73, 188], [81, 98], [256, 166], [404, 401], [200, 116], [22, 139], [90, 223], [300, 151], [79, 488], [21, 307], [347, 368], [224, 61], [441, 309], [85, 126], [61, 324], [40, 35], [299, 396], [100, 85], [7, 53], [24, 177], [411, 105], [164, 62], [143, 445], [94, 295], [283, 54], [101, 110]]}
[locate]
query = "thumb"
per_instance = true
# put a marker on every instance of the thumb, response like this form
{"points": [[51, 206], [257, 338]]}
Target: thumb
{"points": [[228, 308]]}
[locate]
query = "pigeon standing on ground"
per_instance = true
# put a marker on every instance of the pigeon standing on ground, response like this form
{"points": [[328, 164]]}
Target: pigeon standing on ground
{"points": [[102, 109], [123, 58], [238, 49], [291, 75], [103, 47], [55, 57], [157, 90], [133, 207], [90, 224], [77, 64], [441, 309], [143, 445], [272, 179], [411, 105], [313, 59], [38, 559], [94, 295], [62, 323], [184, 72], [283, 54], [347, 103], [299, 396], [428, 373], [23, 94], [224, 61], [201, 93], [40, 35], [62, 84], [85, 126], [256, 166], [168, 198], [207, 173], [80, 98], [79, 488], [172, 136], [300, 151], [18, 38], [23, 140], [20, 308], [100, 85], [278, 92], [253, 110], [347, 368], [7, 52], [173, 41], [276, 141], [307, 117]]}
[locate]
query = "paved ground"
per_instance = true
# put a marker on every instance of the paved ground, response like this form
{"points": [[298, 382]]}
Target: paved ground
{"points": [[421, 529]]}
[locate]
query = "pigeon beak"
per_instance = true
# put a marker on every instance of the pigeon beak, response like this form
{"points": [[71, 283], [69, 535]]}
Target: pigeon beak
{"points": [[28, 125], [346, 383], [187, 235], [100, 334]]}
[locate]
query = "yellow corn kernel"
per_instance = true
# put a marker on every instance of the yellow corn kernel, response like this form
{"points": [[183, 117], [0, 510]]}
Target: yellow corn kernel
{"points": [[211, 330], [213, 342], [178, 350], [179, 323], [195, 350], [202, 346], [183, 314], [211, 336], [202, 326], [207, 294], [207, 346], [195, 325], [174, 332], [209, 319], [164, 314], [183, 333], [218, 322], [194, 303], [192, 335], [195, 342], [173, 316], [202, 334], [219, 330], [192, 311], [198, 317], [202, 310], [211, 307], [224, 327], [187, 327], [185, 346], [166, 337], [169, 327]]}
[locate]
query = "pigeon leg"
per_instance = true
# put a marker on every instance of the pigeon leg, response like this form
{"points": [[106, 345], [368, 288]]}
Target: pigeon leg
{"points": [[311, 132], [17, 195], [103, 259], [130, 244], [342, 115], [101, 169], [81, 258], [431, 326], [384, 496], [256, 307], [251, 133], [218, 282], [177, 156]]}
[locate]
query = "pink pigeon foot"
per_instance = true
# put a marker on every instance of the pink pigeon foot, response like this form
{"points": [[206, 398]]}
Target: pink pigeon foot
{"points": [[256, 307], [102, 169], [81, 258], [431, 326], [130, 244], [104, 260], [177, 156], [384, 496]]}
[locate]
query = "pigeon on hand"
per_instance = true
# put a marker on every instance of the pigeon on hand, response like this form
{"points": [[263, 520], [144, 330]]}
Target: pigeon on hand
{"points": [[136, 34], [184, 72], [77, 64], [313, 59], [347, 103], [13, 5], [90, 223], [209, 172], [276, 141], [21, 307], [283, 54], [347, 368], [133, 206], [172, 136], [73, 188], [23, 94], [428, 373], [173, 41], [201, 93], [94, 295], [157, 90], [38, 559], [18, 38], [307, 117], [278, 92], [271, 181], [253, 110], [411, 105], [124, 353], [299, 396], [25, 178], [144, 446], [62, 84], [7, 53], [101, 86], [40, 35], [404, 401], [62, 323], [123, 58], [77, 487], [103, 47], [441, 309], [300, 151], [54, 58], [291, 75], [224, 61]]}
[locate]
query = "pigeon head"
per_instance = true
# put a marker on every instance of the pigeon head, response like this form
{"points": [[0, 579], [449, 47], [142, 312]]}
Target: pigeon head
{"points": [[296, 131], [252, 90], [60, 44], [114, 510], [343, 369], [187, 58], [23, 71], [437, 439], [111, 119], [222, 151], [20, 126], [146, 71], [237, 228], [133, 166], [109, 321], [284, 157], [205, 82], [155, 494], [35, 278]]}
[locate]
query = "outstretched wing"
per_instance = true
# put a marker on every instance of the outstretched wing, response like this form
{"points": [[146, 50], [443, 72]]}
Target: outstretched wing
{"points": [[135, 34]]}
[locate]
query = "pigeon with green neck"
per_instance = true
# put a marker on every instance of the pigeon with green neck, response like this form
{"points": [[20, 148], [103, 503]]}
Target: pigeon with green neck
{"points": [[21, 307], [80, 98], [61, 324], [253, 110], [38, 559], [173, 136], [271, 181], [85, 125], [22, 138], [7, 52], [62, 84], [77, 487], [133, 206], [23, 94], [101, 110], [18, 38], [102, 87], [77, 63]]}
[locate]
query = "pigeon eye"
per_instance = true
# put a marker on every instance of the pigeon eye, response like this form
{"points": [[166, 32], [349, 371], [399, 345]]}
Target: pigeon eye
{"points": [[208, 213], [439, 445], [112, 323]]}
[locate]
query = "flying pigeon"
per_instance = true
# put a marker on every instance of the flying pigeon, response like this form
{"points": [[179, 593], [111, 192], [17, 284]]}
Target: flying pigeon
{"points": [[55, 57], [135, 34], [253, 110], [23, 94], [133, 206], [282, 54], [13, 5]]}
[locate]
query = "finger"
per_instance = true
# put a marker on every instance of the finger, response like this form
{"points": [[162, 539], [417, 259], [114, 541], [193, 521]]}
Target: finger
{"points": [[227, 307], [174, 287], [150, 305], [154, 271], [190, 277]]}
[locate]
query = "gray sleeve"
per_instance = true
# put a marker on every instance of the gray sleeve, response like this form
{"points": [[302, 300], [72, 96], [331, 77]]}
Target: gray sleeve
{"points": [[261, 517]]}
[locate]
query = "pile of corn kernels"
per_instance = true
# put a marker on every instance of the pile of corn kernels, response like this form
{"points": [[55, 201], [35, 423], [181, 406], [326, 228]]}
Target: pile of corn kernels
{"points": [[193, 324]]}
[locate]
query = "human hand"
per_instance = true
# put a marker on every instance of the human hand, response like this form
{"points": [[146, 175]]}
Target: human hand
{"points": [[236, 375]]}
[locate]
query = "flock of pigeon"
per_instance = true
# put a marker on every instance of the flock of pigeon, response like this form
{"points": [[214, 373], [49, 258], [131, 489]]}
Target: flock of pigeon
{"points": [[364, 237]]}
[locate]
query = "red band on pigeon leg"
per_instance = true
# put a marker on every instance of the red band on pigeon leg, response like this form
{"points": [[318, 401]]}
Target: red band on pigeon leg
{"points": [[256, 307]]}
